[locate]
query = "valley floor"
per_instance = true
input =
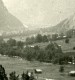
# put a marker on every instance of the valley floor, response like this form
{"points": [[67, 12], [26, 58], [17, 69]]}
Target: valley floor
{"points": [[50, 71]]}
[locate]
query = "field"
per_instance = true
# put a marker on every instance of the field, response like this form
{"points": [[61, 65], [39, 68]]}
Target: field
{"points": [[50, 71]]}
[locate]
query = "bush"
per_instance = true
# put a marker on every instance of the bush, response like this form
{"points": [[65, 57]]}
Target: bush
{"points": [[73, 48], [25, 76], [32, 76], [3, 75], [13, 76], [55, 61], [67, 40], [61, 69]]}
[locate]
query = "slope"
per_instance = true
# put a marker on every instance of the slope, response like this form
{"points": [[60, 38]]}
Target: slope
{"points": [[8, 22]]}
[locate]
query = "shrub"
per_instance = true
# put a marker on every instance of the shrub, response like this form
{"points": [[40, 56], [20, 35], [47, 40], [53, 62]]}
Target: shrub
{"points": [[67, 40], [61, 69], [73, 48], [3, 75], [25, 76], [13, 76], [32, 76]]}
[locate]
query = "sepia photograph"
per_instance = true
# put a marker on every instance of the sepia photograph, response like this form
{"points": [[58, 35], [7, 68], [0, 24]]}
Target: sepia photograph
{"points": [[37, 39]]}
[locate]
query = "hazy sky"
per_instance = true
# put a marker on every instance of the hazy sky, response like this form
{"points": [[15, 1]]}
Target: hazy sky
{"points": [[41, 12]]}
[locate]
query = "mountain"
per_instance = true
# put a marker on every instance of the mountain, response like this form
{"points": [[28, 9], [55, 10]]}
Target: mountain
{"points": [[8, 22], [65, 25]]}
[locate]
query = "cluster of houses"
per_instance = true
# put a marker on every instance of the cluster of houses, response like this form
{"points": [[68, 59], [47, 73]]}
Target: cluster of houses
{"points": [[56, 36]]}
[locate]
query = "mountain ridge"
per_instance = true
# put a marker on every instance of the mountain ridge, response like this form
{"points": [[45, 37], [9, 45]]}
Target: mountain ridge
{"points": [[8, 22], [64, 26]]}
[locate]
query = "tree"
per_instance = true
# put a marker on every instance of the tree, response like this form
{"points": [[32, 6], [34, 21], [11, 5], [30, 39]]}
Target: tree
{"points": [[37, 47], [50, 47], [44, 38], [25, 76], [50, 51], [29, 53], [11, 42], [53, 51], [39, 38], [41, 56], [67, 40], [27, 40], [1, 40], [20, 44], [61, 69], [32, 76], [30, 40], [73, 48], [13, 76], [3, 75]]}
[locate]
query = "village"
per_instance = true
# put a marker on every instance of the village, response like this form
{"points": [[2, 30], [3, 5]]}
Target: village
{"points": [[37, 39]]}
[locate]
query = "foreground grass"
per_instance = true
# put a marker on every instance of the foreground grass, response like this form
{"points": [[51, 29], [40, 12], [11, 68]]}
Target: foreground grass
{"points": [[49, 70]]}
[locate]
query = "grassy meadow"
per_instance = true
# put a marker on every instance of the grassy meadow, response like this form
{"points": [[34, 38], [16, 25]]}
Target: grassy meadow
{"points": [[50, 71]]}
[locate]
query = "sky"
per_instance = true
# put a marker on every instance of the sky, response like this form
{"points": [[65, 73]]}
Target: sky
{"points": [[40, 12]]}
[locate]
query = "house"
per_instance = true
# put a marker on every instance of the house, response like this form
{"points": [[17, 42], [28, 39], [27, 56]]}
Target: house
{"points": [[37, 71]]}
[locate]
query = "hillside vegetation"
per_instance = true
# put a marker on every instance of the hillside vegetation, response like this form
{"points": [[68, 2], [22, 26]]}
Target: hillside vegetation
{"points": [[65, 47]]}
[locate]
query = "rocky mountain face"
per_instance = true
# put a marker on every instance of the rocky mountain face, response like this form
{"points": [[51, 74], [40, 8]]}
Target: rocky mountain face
{"points": [[65, 25], [8, 22]]}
